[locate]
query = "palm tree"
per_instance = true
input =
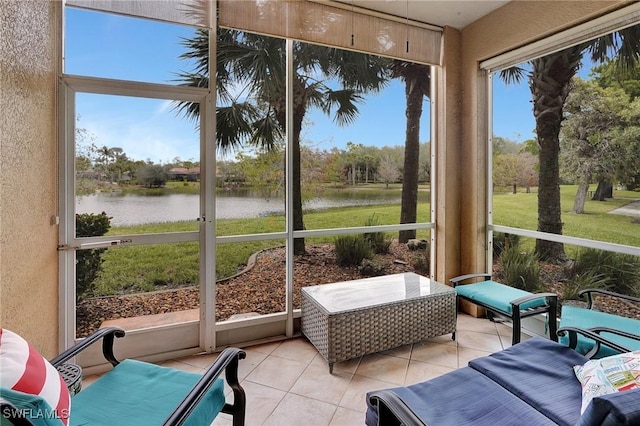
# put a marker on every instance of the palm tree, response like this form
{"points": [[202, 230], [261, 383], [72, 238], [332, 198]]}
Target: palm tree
{"points": [[549, 81], [417, 79], [106, 156], [251, 87]]}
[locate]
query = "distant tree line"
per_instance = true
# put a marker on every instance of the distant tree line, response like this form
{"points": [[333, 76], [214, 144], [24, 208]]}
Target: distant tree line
{"points": [[356, 164]]}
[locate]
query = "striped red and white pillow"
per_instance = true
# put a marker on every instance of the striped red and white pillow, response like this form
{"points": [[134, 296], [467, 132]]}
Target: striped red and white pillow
{"points": [[23, 369]]}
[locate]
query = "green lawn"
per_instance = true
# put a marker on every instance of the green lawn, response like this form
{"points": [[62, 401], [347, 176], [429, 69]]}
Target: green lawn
{"points": [[145, 268], [521, 211]]}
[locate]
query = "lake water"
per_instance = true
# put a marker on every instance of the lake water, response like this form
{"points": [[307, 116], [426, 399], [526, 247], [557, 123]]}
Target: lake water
{"points": [[136, 209]]}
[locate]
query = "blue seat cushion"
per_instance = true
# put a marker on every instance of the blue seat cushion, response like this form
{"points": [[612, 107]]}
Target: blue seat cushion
{"points": [[620, 408], [137, 393], [463, 397], [496, 295], [540, 372], [575, 316]]}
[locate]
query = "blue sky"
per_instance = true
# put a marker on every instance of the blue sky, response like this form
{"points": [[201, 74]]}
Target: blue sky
{"points": [[132, 49]]}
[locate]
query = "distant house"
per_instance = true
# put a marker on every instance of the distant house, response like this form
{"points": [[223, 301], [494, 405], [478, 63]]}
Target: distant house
{"points": [[188, 174]]}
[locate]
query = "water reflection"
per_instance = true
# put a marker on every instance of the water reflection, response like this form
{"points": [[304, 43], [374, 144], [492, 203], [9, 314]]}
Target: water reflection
{"points": [[136, 209]]}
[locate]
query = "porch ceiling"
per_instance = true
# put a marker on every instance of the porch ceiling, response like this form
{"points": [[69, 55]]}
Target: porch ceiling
{"points": [[453, 13]]}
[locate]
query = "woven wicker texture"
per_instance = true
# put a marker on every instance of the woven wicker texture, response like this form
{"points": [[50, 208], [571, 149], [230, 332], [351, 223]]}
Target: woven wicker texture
{"points": [[350, 334]]}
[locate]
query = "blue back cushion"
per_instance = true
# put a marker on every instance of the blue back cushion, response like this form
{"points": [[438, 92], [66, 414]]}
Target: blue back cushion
{"points": [[496, 295], [463, 397], [587, 318], [137, 393], [540, 372]]}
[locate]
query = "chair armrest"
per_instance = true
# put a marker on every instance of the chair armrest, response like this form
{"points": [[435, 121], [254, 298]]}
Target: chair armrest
{"points": [[227, 361], [107, 334], [593, 334], [589, 291], [622, 333], [519, 301], [392, 411], [457, 280]]}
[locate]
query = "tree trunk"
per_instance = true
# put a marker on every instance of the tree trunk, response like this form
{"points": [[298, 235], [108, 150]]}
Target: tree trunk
{"points": [[299, 111], [603, 191], [409, 206], [581, 196], [353, 174], [298, 222], [549, 86]]}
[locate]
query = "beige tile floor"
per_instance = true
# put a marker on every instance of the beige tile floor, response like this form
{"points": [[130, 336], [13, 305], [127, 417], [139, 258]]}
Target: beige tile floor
{"points": [[288, 382]]}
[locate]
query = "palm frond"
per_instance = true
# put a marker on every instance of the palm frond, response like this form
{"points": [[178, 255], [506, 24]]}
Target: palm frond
{"points": [[197, 48], [250, 82], [315, 96], [191, 110], [513, 75], [364, 73], [198, 10], [345, 100], [234, 125], [266, 132], [414, 75], [622, 48]]}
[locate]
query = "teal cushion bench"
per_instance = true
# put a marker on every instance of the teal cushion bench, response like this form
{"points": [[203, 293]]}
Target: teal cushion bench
{"points": [[507, 301], [615, 328]]}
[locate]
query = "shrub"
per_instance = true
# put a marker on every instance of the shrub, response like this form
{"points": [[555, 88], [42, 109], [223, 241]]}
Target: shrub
{"points": [[89, 262], [378, 241], [590, 279], [422, 264], [352, 249], [152, 175], [520, 269], [622, 271], [502, 240]]}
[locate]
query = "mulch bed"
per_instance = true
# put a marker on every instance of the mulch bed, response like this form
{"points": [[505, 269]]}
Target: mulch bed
{"points": [[260, 287], [554, 276]]}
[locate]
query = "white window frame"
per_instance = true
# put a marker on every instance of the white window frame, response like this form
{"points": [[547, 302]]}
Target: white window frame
{"points": [[614, 21], [68, 242], [211, 334]]}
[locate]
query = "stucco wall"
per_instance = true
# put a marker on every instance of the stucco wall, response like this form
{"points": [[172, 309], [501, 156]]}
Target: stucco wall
{"points": [[28, 257], [513, 25]]}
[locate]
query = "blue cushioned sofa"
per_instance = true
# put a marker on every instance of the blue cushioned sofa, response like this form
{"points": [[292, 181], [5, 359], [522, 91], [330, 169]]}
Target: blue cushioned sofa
{"points": [[531, 383]]}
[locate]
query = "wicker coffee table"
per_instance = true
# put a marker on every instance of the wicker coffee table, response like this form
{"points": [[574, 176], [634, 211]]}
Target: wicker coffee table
{"points": [[349, 319]]}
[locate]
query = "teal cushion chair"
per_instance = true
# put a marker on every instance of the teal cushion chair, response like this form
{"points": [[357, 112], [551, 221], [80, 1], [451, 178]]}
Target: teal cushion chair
{"points": [[136, 393], [622, 331], [507, 301], [152, 392]]}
